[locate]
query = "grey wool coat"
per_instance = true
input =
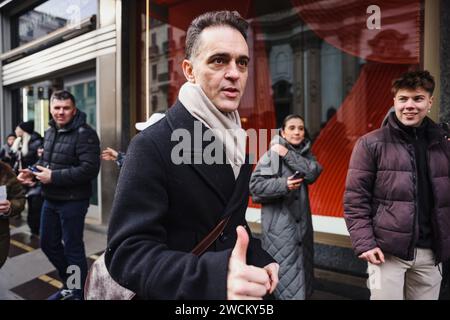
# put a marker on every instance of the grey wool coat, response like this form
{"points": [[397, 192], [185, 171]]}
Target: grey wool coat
{"points": [[287, 233]]}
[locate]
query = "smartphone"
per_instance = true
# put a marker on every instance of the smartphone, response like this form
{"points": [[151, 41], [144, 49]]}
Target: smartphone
{"points": [[34, 169], [298, 175]]}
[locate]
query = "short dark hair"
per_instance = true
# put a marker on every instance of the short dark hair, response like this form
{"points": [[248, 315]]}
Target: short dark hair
{"points": [[295, 116], [413, 80], [63, 95], [210, 19]]}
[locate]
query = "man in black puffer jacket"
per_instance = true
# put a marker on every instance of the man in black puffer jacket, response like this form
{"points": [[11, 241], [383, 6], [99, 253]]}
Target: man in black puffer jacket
{"points": [[70, 162]]}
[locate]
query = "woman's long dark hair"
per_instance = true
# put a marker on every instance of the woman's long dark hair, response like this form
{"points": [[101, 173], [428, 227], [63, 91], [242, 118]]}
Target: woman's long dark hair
{"points": [[295, 116]]}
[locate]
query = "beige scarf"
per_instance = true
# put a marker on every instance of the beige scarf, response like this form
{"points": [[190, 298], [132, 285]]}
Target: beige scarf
{"points": [[225, 126]]}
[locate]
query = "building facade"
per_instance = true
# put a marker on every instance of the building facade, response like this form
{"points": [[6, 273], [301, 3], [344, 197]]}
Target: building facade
{"points": [[73, 44]]}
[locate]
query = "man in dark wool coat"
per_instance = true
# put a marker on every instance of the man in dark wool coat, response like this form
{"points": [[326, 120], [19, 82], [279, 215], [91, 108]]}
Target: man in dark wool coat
{"points": [[170, 195]]}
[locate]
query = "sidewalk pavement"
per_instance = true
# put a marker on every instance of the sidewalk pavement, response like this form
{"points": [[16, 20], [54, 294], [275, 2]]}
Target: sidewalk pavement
{"points": [[27, 273]]}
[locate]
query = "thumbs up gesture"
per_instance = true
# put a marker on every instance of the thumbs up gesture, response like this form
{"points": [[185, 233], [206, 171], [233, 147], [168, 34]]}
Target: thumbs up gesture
{"points": [[245, 282]]}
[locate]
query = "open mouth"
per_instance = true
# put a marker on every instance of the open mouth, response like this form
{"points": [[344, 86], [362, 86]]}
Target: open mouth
{"points": [[231, 92]]}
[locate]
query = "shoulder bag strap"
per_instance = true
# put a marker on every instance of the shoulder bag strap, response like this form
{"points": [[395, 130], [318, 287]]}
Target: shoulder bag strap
{"points": [[211, 237]]}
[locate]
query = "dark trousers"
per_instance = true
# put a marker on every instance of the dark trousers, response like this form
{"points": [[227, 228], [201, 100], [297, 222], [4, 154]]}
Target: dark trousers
{"points": [[64, 221], [34, 213]]}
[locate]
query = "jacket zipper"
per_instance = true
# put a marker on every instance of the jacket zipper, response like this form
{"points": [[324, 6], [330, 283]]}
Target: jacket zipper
{"points": [[52, 148], [416, 213], [433, 217]]}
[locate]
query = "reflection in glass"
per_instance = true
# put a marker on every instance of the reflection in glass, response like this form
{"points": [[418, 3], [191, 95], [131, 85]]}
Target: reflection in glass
{"points": [[313, 58], [35, 105], [50, 16]]}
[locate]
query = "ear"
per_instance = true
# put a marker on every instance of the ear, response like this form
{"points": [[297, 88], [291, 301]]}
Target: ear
{"points": [[431, 101], [188, 70]]}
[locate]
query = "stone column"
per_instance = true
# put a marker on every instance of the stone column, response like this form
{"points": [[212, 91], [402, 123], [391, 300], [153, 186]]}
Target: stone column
{"points": [[313, 86], [298, 106]]}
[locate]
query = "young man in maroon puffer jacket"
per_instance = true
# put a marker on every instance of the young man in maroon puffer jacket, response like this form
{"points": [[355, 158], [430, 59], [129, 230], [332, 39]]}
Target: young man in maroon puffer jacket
{"points": [[396, 201]]}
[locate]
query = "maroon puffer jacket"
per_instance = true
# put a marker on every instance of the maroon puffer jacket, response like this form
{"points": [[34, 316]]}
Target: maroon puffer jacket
{"points": [[379, 200]]}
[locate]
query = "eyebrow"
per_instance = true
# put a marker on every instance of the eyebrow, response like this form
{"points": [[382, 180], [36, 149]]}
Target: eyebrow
{"points": [[418, 96], [226, 56]]}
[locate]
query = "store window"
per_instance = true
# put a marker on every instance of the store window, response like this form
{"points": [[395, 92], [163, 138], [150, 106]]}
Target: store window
{"points": [[50, 16], [324, 60]]}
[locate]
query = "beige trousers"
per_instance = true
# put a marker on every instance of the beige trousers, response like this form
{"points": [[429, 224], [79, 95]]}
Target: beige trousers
{"points": [[397, 279]]}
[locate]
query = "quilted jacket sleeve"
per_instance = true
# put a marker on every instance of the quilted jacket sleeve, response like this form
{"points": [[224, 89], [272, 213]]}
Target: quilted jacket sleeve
{"points": [[306, 164], [265, 184], [358, 197]]}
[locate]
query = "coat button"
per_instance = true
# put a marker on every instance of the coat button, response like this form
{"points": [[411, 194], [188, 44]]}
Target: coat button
{"points": [[297, 220], [223, 237], [299, 243], [296, 197]]}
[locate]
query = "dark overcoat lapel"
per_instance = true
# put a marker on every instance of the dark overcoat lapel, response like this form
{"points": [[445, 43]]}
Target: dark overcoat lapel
{"points": [[218, 177]]}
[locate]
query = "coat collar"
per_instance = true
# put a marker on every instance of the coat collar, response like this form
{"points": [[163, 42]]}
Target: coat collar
{"points": [[78, 120], [434, 133], [219, 177]]}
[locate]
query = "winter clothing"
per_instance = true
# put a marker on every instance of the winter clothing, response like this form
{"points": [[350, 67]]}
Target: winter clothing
{"points": [[15, 194], [161, 211], [27, 126], [287, 232], [382, 201], [73, 155]]}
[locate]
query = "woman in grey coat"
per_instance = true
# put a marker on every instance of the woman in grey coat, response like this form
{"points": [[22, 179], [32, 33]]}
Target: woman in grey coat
{"points": [[280, 182]]}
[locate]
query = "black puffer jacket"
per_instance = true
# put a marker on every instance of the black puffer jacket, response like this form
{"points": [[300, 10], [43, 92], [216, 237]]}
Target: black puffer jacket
{"points": [[73, 155]]}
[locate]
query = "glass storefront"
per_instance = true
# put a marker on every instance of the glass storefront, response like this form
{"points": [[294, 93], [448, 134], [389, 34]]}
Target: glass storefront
{"points": [[50, 16], [325, 60], [35, 100]]}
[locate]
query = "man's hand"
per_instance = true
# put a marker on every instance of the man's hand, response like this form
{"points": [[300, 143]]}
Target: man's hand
{"points": [[272, 271], [245, 282], [109, 154], [374, 256], [26, 177], [5, 206], [45, 176], [278, 148]]}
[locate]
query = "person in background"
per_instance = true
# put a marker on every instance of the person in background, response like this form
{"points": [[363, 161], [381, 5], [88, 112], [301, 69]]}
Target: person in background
{"points": [[396, 202], [35, 200], [25, 152], [5, 151], [71, 160], [9, 207], [109, 154], [287, 232], [25, 146]]}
